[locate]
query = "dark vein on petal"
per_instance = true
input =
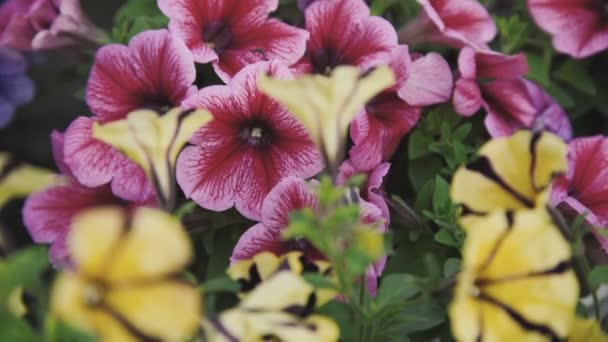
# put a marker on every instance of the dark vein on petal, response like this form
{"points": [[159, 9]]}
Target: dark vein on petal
{"points": [[484, 167], [499, 242], [131, 328], [560, 268], [533, 159]]}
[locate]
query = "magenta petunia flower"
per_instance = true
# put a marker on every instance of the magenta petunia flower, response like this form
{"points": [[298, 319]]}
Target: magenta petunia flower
{"points": [[252, 143], [293, 194], [48, 214], [579, 28], [584, 189], [233, 33], [455, 23], [388, 117], [344, 32], [494, 81], [155, 71], [44, 24]]}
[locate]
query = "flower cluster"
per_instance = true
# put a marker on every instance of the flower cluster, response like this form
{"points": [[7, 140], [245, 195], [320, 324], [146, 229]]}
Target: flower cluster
{"points": [[260, 170]]}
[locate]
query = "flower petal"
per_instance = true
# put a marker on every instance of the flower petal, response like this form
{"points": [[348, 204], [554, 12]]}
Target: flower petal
{"points": [[429, 82]]}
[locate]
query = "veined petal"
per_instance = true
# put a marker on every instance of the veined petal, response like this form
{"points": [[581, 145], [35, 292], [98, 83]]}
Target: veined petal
{"points": [[153, 141], [511, 173], [155, 246], [328, 104], [166, 310]]}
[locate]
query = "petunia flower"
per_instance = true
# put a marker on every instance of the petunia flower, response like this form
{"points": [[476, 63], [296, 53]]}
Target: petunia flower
{"points": [[233, 34], [155, 71], [342, 32], [578, 28], [48, 214], [511, 173], [252, 143], [326, 105], [45, 24], [584, 189], [517, 282], [290, 195], [16, 88], [281, 308], [455, 23], [123, 286], [154, 142], [252, 272], [389, 116], [18, 180], [584, 330]]}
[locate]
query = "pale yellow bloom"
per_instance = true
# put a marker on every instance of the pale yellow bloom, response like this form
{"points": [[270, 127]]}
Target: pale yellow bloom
{"points": [[587, 330], [279, 307], [327, 105], [123, 286], [154, 141], [512, 173], [22, 180], [251, 273], [517, 283]]}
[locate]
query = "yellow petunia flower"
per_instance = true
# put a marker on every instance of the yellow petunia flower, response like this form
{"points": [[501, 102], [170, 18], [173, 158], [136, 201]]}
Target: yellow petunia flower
{"points": [[20, 180], [587, 330], [511, 173], [154, 141], [517, 282], [123, 284], [253, 272], [327, 105], [277, 310]]}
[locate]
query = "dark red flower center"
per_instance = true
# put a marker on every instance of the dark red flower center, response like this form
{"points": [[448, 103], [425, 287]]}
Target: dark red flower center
{"points": [[256, 133], [217, 36], [325, 60], [157, 103]]}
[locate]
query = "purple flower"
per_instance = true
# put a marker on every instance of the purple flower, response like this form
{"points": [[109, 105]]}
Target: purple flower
{"points": [[16, 88]]}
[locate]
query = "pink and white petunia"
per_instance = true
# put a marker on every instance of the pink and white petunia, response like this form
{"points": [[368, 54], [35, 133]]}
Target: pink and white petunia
{"points": [[377, 131], [233, 33], [156, 71], [293, 194], [584, 189], [342, 32], [579, 27], [252, 143], [45, 24], [48, 214], [494, 82], [455, 23]]}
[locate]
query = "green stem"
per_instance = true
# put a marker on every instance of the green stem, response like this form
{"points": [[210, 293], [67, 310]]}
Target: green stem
{"points": [[361, 305]]}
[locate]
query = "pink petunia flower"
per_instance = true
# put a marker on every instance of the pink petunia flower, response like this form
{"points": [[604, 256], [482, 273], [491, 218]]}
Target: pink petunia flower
{"points": [[579, 28], [155, 71], [233, 33], [45, 24], [494, 81], [455, 23], [584, 189], [252, 143], [293, 194], [344, 32], [388, 117], [48, 214]]}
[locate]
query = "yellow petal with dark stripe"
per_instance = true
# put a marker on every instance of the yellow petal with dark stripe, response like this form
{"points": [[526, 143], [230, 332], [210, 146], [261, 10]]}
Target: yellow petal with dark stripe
{"points": [[511, 173], [586, 330], [517, 282]]}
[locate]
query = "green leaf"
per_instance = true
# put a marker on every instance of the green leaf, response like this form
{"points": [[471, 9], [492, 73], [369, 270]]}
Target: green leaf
{"points": [[441, 195], [58, 331], [575, 74], [419, 316], [598, 276], [220, 284], [418, 144], [395, 288], [423, 169], [15, 329], [23, 269], [319, 281], [539, 71], [451, 267], [445, 236]]}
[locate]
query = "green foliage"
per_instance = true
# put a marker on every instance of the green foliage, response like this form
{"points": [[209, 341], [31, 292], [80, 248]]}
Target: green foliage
{"points": [[136, 16]]}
